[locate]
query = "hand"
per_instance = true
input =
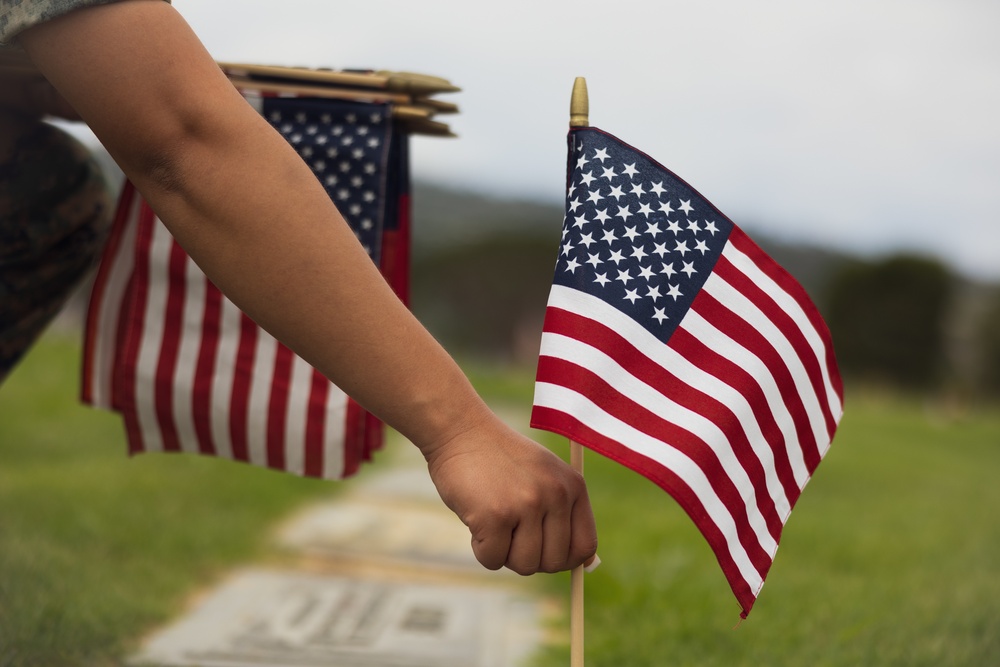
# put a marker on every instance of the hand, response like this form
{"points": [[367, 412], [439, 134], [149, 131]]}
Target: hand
{"points": [[526, 509]]}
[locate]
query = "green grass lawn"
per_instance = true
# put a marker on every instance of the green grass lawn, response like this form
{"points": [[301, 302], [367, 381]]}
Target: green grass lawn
{"points": [[892, 556], [97, 548]]}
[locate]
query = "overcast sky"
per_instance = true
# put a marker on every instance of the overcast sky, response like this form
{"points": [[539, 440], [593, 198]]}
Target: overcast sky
{"points": [[870, 125]]}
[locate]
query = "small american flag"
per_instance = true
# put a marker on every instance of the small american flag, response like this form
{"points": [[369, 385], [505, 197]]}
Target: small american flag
{"points": [[188, 370], [673, 345]]}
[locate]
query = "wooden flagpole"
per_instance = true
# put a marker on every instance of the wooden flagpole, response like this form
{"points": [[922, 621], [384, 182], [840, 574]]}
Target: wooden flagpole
{"points": [[579, 116]]}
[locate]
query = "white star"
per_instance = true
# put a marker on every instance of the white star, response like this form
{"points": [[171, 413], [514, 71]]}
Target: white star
{"points": [[594, 196], [601, 279], [659, 315], [609, 173], [654, 292], [637, 190], [688, 269], [693, 226], [573, 205], [710, 227], [601, 154], [572, 265], [701, 247], [582, 161], [645, 209], [624, 213], [674, 291], [658, 190], [631, 170], [616, 192], [673, 227], [669, 270], [631, 233], [645, 272], [609, 236], [587, 178], [638, 252], [653, 229], [686, 206], [587, 240], [624, 277], [602, 216], [661, 249], [567, 247], [632, 295], [581, 220], [594, 259], [682, 248], [373, 142], [616, 256]]}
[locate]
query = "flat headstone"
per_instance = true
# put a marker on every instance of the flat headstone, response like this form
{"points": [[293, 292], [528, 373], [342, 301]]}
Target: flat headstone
{"points": [[292, 619]]}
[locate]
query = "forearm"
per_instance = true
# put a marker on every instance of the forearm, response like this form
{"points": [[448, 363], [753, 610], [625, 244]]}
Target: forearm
{"points": [[253, 216]]}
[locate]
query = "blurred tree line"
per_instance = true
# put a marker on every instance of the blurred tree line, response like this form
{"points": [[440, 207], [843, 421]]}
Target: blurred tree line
{"points": [[482, 273]]}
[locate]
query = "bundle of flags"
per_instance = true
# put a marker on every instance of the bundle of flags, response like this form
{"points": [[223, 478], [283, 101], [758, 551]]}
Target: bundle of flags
{"points": [[675, 346], [188, 371]]}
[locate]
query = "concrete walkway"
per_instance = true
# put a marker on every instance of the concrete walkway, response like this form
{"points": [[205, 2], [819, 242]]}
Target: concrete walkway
{"points": [[381, 576]]}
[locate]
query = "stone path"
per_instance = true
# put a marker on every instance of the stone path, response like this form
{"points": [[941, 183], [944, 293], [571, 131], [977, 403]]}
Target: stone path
{"points": [[383, 576]]}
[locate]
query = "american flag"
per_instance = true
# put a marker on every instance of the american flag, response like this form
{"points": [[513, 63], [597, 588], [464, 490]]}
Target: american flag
{"points": [[673, 345], [188, 370]]}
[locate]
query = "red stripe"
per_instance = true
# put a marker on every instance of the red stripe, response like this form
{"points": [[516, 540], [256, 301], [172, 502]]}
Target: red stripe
{"points": [[316, 425], [784, 322], [93, 331], [166, 365], [277, 407], [201, 390], [589, 384], [773, 270], [374, 431], [354, 437], [559, 422], [736, 377], [239, 401], [599, 336], [736, 328], [131, 325]]}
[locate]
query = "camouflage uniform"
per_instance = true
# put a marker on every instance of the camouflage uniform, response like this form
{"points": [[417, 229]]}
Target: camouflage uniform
{"points": [[55, 210]]}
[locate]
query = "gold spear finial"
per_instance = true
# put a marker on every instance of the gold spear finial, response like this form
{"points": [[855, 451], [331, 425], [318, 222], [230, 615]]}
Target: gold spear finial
{"points": [[579, 105]]}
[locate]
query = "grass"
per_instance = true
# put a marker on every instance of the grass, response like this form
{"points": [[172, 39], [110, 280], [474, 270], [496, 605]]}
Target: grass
{"points": [[97, 548], [892, 556]]}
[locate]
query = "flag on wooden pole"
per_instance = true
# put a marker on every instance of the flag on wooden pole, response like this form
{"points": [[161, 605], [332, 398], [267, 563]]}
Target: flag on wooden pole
{"points": [[675, 346]]}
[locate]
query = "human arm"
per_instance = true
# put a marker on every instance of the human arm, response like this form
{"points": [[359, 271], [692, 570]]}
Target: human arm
{"points": [[255, 219]]}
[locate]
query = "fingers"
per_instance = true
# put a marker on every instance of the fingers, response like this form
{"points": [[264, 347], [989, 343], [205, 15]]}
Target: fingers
{"points": [[555, 541]]}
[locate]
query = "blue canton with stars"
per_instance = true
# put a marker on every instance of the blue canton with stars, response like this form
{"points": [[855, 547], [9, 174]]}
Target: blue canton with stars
{"points": [[346, 144], [635, 235]]}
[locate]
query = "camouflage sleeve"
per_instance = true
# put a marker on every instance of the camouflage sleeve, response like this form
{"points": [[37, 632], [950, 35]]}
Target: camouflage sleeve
{"points": [[18, 15]]}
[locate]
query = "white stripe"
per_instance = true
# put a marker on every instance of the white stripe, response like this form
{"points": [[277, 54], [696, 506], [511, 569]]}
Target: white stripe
{"points": [[789, 305], [260, 398], [585, 356], [227, 346], [297, 416], [187, 355], [333, 433], [744, 308], [587, 412], [152, 337], [112, 303], [589, 306]]}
